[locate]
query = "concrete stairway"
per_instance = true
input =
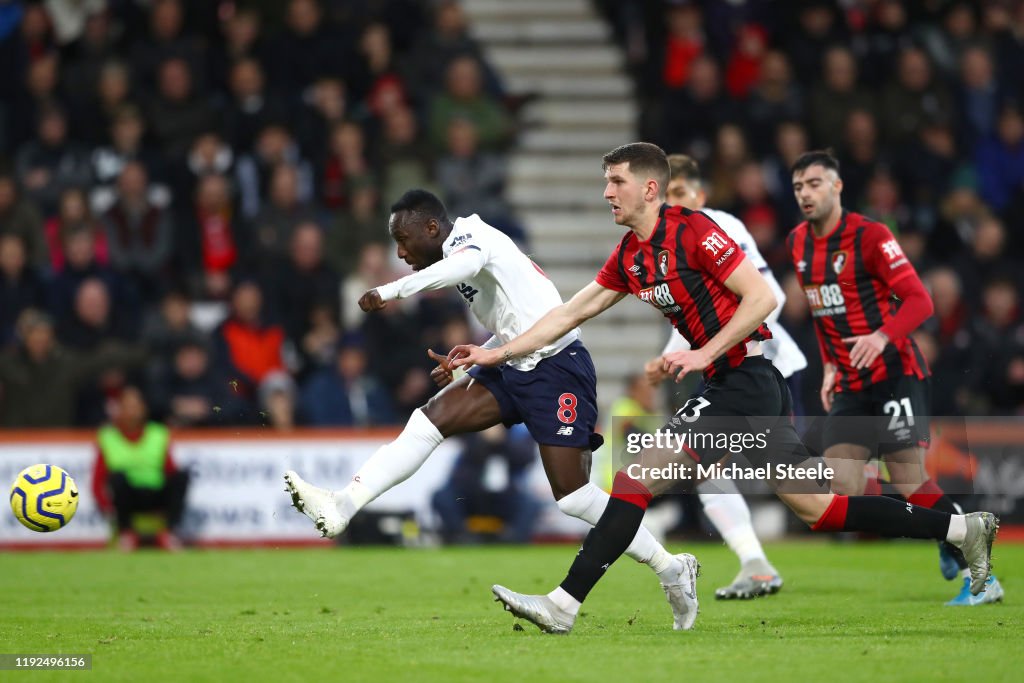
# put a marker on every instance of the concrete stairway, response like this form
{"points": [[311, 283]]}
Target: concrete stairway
{"points": [[563, 50]]}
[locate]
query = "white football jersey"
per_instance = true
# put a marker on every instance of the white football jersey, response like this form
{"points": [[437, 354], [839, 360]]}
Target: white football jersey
{"points": [[505, 289], [781, 350]]}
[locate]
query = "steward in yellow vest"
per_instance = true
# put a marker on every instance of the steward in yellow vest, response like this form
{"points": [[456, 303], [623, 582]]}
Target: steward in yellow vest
{"points": [[134, 471]]}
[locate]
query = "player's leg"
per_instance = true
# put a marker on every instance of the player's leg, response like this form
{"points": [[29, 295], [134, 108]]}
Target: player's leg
{"points": [[568, 471], [466, 405], [725, 507]]}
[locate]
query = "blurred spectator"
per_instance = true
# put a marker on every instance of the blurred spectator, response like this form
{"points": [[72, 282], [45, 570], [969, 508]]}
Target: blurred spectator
{"points": [[95, 319], [373, 269], [81, 262], [1000, 343], [351, 230], [177, 113], [112, 93], [860, 154], [818, 29], [730, 152], [209, 250], [883, 202], [273, 226], [980, 96], [164, 330], [21, 285], [278, 401], [743, 70], [344, 394], [836, 96], [303, 282], [436, 48], [40, 381], [986, 255], [473, 180], [791, 140], [488, 481], [308, 49], [274, 147], [773, 99], [74, 215], [127, 144], [886, 33], [51, 163], [325, 105], [39, 94], [251, 107], [684, 42], [84, 59], [140, 232], [134, 471], [405, 157], [345, 165], [167, 40], [19, 216], [754, 206], [322, 336], [948, 42], [242, 40], [464, 97], [1000, 160], [191, 392], [209, 154], [913, 97], [693, 114], [387, 90], [247, 348]]}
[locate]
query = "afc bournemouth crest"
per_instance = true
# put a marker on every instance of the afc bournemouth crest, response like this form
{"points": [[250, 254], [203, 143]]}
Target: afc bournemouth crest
{"points": [[839, 259], [663, 263]]}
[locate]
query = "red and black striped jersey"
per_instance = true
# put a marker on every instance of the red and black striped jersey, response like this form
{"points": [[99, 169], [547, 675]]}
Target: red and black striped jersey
{"points": [[681, 271], [848, 276]]}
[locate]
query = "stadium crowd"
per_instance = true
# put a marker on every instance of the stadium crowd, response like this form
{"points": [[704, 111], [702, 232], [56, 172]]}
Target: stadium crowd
{"points": [[923, 103], [193, 197], [193, 193]]}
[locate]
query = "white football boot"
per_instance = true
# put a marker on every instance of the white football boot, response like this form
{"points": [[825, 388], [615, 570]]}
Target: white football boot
{"points": [[316, 503], [539, 610], [682, 592]]}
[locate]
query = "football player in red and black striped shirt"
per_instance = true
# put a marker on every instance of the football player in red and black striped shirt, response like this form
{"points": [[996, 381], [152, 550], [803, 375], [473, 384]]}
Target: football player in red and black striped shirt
{"points": [[683, 264], [876, 385]]}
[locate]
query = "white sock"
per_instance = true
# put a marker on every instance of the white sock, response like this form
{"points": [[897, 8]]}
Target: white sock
{"points": [[731, 516], [957, 530], [565, 601], [588, 503], [391, 464]]}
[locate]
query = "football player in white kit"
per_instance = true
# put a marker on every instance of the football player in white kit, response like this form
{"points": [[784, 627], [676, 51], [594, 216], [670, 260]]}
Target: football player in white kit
{"points": [[722, 501], [553, 390]]}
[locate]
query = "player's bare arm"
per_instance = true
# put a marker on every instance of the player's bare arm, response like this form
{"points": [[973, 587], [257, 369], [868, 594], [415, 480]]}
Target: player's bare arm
{"points": [[442, 374], [866, 348], [584, 305], [756, 302]]}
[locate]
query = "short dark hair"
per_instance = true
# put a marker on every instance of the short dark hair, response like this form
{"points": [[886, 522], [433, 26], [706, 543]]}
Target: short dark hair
{"points": [[817, 157], [683, 166], [643, 159], [423, 203]]}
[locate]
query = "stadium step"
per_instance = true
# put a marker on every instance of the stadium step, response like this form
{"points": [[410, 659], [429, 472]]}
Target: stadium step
{"points": [[563, 51]]}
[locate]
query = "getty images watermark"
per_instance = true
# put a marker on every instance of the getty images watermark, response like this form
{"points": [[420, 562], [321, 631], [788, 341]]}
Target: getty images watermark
{"points": [[665, 442]]}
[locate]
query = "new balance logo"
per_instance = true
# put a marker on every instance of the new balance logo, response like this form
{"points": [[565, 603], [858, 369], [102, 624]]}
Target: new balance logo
{"points": [[564, 431]]}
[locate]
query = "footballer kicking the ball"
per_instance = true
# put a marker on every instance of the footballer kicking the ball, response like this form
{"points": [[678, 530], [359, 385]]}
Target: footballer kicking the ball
{"points": [[552, 389]]}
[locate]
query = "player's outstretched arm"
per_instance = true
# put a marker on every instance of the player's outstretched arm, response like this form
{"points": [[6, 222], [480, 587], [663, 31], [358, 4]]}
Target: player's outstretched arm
{"points": [[587, 303], [447, 272], [756, 302]]}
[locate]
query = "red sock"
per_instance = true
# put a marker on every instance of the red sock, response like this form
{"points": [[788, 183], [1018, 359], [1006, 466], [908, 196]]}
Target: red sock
{"points": [[627, 489], [926, 495], [834, 518]]}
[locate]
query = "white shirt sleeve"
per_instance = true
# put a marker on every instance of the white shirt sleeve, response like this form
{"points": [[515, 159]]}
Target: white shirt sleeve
{"points": [[780, 297], [447, 272], [676, 342]]}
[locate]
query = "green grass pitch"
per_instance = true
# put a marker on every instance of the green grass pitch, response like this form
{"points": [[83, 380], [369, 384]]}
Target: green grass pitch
{"points": [[870, 612]]}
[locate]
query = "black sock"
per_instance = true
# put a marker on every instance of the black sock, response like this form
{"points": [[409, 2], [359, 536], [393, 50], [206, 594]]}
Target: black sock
{"points": [[890, 517], [602, 546], [944, 504]]}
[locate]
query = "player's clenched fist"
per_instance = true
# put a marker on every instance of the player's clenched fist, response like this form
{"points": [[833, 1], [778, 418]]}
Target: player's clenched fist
{"points": [[371, 301]]}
